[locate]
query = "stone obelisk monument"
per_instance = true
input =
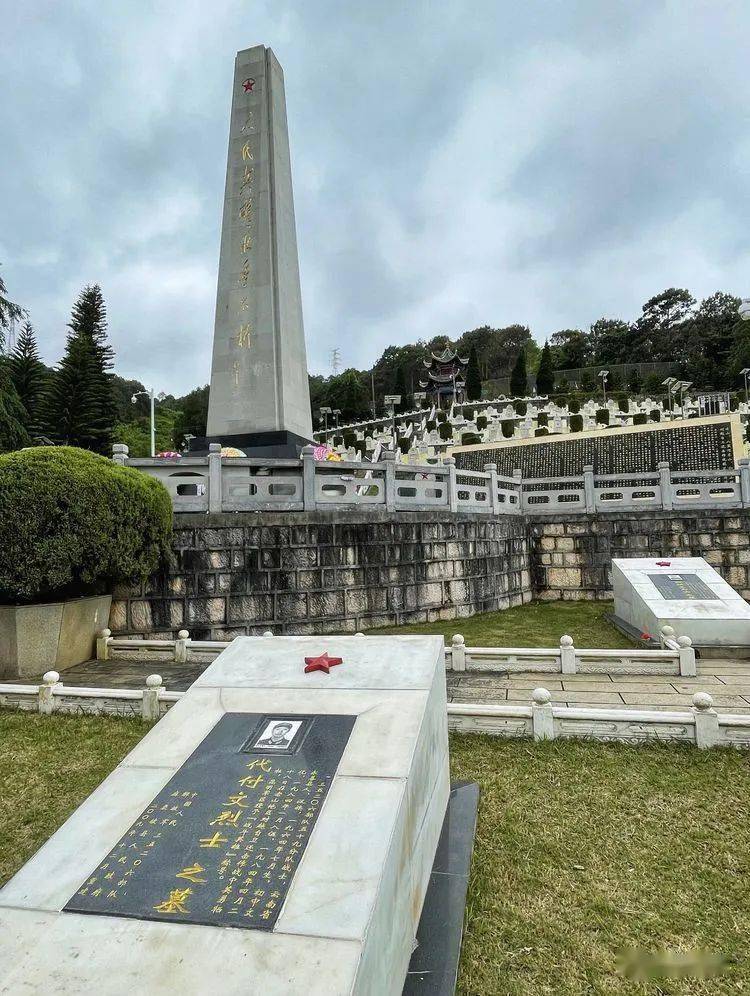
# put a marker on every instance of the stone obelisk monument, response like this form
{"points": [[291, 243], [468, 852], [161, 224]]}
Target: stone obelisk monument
{"points": [[259, 400]]}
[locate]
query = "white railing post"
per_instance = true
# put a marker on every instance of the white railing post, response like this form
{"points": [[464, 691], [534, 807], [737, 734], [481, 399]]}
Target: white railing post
{"points": [[389, 457], [46, 704], [214, 477], [103, 641], [181, 646], [518, 478], [119, 453], [589, 490], [450, 463], [687, 657], [744, 465], [308, 478], [665, 483], [665, 633], [490, 470], [706, 721], [150, 704], [458, 655], [542, 721], [567, 655]]}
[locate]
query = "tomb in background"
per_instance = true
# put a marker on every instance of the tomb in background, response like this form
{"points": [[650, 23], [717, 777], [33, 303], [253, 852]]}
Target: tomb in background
{"points": [[683, 592]]}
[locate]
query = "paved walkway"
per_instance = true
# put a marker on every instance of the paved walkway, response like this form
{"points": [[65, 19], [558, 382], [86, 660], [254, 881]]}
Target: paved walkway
{"points": [[728, 682]]}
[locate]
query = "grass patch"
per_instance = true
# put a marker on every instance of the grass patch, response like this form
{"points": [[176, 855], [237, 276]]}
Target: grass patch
{"points": [[585, 850], [48, 765], [537, 624]]}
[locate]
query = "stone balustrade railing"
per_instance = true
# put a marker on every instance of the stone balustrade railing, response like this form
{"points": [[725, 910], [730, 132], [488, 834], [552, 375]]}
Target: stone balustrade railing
{"points": [[675, 655], [214, 483], [701, 725]]}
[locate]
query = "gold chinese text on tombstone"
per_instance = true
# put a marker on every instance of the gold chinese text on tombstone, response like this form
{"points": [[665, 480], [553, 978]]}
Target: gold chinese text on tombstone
{"points": [[244, 274], [246, 211], [247, 243], [247, 153], [242, 339]]}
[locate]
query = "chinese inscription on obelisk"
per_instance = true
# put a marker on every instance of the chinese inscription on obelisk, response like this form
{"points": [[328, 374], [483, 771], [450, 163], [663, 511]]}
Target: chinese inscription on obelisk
{"points": [[259, 371]]}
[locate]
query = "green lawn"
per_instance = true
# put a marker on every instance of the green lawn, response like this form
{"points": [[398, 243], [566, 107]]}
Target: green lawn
{"points": [[537, 624], [584, 851], [48, 765]]}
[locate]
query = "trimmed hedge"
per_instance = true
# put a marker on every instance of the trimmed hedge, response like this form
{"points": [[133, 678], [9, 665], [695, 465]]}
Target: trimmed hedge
{"points": [[655, 415], [481, 421], [508, 426], [602, 416], [520, 407], [574, 406], [576, 423], [442, 416], [640, 418], [74, 523], [541, 432], [542, 419], [470, 438], [445, 431]]}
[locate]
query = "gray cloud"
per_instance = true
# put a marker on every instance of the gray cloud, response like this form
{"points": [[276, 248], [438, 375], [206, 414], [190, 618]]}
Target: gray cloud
{"points": [[454, 164]]}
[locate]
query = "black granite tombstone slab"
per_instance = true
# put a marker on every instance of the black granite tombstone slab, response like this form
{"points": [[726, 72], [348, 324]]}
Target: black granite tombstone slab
{"points": [[219, 845], [680, 587]]}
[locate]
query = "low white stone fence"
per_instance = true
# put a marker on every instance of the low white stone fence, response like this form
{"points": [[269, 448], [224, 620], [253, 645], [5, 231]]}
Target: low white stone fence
{"points": [[52, 696], [676, 656], [214, 483], [701, 725]]}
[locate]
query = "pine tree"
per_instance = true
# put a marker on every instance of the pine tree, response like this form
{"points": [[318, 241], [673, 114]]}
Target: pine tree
{"points": [[473, 377], [545, 376], [13, 435], [29, 376], [518, 377], [80, 404]]}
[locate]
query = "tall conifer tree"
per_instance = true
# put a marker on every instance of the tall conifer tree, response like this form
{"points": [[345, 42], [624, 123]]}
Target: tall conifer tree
{"points": [[80, 404], [29, 376], [473, 377], [545, 376], [518, 378]]}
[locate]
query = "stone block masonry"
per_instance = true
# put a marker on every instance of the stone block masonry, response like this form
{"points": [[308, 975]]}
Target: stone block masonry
{"points": [[314, 572], [571, 557], [304, 573]]}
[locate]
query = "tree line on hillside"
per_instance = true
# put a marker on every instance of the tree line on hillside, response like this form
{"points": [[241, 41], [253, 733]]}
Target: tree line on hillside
{"points": [[707, 343]]}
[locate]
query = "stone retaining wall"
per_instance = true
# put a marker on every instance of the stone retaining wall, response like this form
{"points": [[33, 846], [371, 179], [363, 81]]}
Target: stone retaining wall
{"points": [[311, 572], [570, 558], [328, 571]]}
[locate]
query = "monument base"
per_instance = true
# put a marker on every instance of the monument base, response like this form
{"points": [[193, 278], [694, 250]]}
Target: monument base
{"points": [[278, 445]]}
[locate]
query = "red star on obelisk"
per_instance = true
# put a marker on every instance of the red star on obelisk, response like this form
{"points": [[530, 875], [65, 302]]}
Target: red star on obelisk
{"points": [[321, 663], [248, 84]]}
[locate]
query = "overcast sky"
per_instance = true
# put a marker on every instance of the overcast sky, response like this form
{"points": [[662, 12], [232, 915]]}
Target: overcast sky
{"points": [[454, 164]]}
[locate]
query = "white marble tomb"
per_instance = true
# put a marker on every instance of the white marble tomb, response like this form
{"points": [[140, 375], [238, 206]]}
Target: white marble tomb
{"points": [[683, 592], [348, 922]]}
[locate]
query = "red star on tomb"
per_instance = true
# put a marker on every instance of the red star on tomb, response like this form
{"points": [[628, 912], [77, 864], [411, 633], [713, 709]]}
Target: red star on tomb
{"points": [[248, 84], [663, 563], [321, 663]]}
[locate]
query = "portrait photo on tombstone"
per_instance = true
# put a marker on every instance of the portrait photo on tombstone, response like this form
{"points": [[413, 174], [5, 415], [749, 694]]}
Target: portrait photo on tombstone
{"points": [[277, 734]]}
